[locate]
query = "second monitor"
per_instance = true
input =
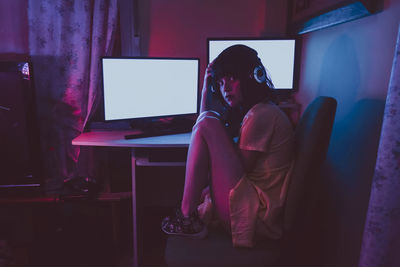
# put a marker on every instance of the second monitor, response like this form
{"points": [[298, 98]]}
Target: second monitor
{"points": [[277, 55]]}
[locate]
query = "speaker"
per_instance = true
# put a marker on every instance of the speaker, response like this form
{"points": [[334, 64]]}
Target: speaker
{"points": [[20, 157]]}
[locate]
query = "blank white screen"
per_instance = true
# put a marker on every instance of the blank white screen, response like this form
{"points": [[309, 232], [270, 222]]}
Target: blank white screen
{"points": [[140, 88], [277, 56]]}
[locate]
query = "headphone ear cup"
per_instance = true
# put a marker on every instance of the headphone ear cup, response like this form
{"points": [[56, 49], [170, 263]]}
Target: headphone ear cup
{"points": [[259, 74]]}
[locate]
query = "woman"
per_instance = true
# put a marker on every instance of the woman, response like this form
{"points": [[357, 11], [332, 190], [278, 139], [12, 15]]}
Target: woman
{"points": [[248, 175]]}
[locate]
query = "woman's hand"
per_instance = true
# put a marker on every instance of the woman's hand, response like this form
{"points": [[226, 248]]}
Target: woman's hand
{"points": [[209, 95]]}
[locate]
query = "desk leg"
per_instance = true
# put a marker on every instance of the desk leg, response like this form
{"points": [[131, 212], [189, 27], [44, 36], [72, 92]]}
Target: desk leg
{"points": [[134, 219]]}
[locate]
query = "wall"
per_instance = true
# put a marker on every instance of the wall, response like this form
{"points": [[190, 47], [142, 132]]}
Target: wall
{"points": [[351, 62], [180, 28]]}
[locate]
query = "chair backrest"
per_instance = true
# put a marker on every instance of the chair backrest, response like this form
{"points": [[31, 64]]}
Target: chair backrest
{"points": [[312, 137]]}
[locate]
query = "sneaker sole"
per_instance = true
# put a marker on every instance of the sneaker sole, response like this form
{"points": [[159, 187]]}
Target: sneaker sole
{"points": [[200, 235]]}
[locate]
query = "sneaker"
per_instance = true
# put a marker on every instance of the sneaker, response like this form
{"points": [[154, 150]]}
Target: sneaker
{"points": [[190, 226]]}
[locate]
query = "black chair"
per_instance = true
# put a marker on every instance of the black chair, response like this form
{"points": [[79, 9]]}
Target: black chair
{"points": [[300, 240]]}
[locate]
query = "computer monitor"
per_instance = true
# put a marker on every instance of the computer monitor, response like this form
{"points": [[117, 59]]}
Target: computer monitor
{"points": [[278, 55], [149, 88]]}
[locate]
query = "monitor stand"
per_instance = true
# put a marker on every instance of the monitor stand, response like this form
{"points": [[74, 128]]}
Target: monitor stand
{"points": [[159, 128], [155, 133]]}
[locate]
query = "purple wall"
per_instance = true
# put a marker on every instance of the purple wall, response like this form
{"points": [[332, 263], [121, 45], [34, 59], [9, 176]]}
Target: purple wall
{"points": [[351, 62], [180, 28]]}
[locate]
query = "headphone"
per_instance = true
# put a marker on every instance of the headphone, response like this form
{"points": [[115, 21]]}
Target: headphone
{"points": [[259, 74]]}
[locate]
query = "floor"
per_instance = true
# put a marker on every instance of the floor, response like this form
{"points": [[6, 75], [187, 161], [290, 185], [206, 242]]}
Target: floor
{"points": [[80, 235]]}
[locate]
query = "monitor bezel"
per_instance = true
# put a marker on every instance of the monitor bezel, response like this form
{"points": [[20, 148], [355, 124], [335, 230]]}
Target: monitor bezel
{"points": [[296, 65], [150, 118]]}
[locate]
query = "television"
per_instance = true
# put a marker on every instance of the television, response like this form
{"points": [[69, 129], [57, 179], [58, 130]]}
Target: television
{"points": [[147, 89], [278, 55]]}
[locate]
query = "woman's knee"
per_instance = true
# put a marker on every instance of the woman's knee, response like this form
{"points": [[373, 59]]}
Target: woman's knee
{"points": [[207, 121], [209, 113]]}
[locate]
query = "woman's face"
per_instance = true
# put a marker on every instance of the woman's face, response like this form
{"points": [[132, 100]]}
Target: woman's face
{"points": [[231, 91]]}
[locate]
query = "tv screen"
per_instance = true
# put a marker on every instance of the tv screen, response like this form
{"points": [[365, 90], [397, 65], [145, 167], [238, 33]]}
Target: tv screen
{"points": [[277, 56], [137, 88]]}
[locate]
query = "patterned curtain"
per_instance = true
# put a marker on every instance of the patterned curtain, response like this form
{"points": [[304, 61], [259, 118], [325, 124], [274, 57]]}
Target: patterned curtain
{"points": [[381, 241], [66, 41]]}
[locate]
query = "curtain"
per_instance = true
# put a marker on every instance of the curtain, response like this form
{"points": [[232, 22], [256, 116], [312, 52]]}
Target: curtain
{"points": [[381, 240], [66, 41]]}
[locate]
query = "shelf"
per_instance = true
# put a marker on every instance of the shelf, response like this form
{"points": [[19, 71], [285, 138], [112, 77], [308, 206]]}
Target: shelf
{"points": [[311, 15], [146, 162], [60, 199]]}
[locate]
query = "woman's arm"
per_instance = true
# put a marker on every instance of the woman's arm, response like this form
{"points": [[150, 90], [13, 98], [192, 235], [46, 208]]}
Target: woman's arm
{"points": [[209, 100]]}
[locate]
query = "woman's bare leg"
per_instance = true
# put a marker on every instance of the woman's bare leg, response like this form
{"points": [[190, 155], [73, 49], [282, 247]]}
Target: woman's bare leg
{"points": [[211, 154], [197, 172]]}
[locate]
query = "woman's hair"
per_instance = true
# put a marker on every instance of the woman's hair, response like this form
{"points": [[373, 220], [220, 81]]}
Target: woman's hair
{"points": [[241, 62]]}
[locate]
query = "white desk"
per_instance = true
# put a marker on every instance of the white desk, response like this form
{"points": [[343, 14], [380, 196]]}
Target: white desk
{"points": [[116, 139]]}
